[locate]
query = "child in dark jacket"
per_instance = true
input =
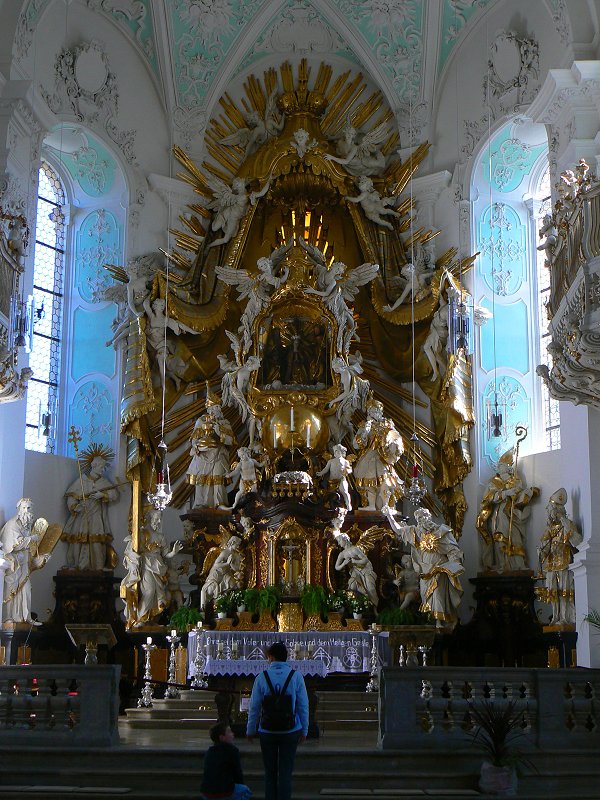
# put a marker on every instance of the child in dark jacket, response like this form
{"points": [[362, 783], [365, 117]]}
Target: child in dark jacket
{"points": [[223, 776]]}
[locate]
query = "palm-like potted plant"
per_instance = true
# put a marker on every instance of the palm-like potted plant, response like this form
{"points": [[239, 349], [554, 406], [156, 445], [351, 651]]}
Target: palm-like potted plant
{"points": [[313, 600], [268, 598], [497, 727]]}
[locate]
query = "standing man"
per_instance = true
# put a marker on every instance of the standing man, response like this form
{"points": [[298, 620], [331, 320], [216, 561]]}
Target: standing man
{"points": [[278, 743]]}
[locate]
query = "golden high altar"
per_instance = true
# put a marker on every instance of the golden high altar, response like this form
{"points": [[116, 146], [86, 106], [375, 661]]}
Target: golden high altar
{"points": [[270, 358]]}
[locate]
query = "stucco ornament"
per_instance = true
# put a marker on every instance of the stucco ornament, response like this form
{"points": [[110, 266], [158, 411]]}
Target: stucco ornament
{"points": [[513, 72]]}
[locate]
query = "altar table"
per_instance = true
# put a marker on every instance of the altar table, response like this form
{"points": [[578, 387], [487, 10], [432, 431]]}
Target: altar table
{"points": [[338, 651]]}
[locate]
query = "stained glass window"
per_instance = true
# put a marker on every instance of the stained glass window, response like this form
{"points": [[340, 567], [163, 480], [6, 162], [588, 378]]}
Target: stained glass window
{"points": [[49, 254]]}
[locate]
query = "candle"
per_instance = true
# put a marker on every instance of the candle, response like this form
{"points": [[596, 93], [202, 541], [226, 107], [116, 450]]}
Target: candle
{"points": [[374, 626], [292, 418], [173, 633], [199, 625], [308, 434], [274, 436], [149, 640]]}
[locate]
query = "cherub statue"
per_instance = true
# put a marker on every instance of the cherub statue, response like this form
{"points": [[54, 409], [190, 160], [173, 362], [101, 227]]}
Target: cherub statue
{"points": [[256, 289], [338, 468], [379, 446], [362, 578], [406, 582], [355, 390], [167, 361], [223, 568], [437, 559], [416, 283], [557, 547], [302, 142], [258, 129], [548, 229], [338, 286], [361, 156], [244, 472], [235, 382], [373, 204]]}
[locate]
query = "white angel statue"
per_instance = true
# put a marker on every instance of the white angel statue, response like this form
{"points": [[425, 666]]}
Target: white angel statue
{"points": [[417, 281], [362, 578], [361, 156], [229, 204], [338, 285], [257, 289], [234, 385], [258, 129], [434, 345], [373, 204], [355, 390], [132, 288], [338, 468]]}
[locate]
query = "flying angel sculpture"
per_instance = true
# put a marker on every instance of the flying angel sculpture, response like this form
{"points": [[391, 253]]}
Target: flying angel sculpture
{"points": [[256, 289], [338, 285], [257, 129], [361, 154]]}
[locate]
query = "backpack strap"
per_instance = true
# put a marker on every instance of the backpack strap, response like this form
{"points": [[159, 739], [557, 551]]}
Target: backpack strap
{"points": [[285, 685]]}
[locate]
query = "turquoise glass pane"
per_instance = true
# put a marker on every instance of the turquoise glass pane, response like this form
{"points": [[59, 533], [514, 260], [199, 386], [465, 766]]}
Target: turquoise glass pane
{"points": [[98, 242], [91, 331], [93, 414], [512, 160], [502, 243], [515, 407], [92, 167], [511, 324]]}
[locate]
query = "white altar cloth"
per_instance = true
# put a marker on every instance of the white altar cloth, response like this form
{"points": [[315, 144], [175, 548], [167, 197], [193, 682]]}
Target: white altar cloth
{"points": [[339, 651], [227, 666]]}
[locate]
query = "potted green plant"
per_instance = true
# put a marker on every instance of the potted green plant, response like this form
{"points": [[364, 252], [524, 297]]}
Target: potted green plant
{"points": [[185, 618], [497, 727], [593, 618], [268, 598], [223, 605], [313, 599], [251, 599], [336, 601], [359, 604], [238, 599]]}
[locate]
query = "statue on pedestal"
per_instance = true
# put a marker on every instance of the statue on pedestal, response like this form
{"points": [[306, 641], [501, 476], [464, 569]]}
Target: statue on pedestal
{"points": [[244, 472], [223, 568], [380, 446], [211, 439], [362, 578], [87, 532], [16, 539], [153, 569], [557, 546], [438, 561], [502, 518], [338, 467]]}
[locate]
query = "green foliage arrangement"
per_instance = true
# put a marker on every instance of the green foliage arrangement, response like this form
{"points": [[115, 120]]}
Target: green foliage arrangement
{"points": [[403, 616], [313, 599], [185, 618], [251, 599], [238, 598], [223, 603], [268, 598]]}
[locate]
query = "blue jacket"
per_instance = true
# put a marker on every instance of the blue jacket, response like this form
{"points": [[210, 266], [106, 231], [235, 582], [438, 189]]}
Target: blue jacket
{"points": [[278, 672]]}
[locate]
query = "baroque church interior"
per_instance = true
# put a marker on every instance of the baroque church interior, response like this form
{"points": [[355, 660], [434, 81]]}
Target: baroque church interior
{"points": [[299, 304]]}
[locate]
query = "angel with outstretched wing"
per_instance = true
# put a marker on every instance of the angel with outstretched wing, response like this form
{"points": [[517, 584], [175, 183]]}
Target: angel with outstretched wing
{"points": [[229, 204], [355, 390], [362, 156], [362, 578], [223, 567], [251, 136], [375, 206]]}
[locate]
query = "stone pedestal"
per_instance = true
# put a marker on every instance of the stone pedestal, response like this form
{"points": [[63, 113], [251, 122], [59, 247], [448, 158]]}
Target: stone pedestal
{"points": [[504, 630], [564, 639]]}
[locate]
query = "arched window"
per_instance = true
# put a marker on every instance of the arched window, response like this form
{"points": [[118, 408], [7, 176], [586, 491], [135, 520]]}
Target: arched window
{"points": [[509, 187], [48, 278]]}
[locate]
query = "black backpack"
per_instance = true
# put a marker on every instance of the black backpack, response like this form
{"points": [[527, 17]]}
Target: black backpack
{"points": [[277, 708]]}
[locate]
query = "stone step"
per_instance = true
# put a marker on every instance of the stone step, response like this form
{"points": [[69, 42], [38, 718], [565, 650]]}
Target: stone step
{"points": [[170, 713], [201, 724]]}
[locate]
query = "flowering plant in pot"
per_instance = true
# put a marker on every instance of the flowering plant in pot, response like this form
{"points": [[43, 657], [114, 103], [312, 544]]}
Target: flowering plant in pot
{"points": [[223, 605], [238, 599], [336, 601], [358, 604], [185, 619], [497, 727]]}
